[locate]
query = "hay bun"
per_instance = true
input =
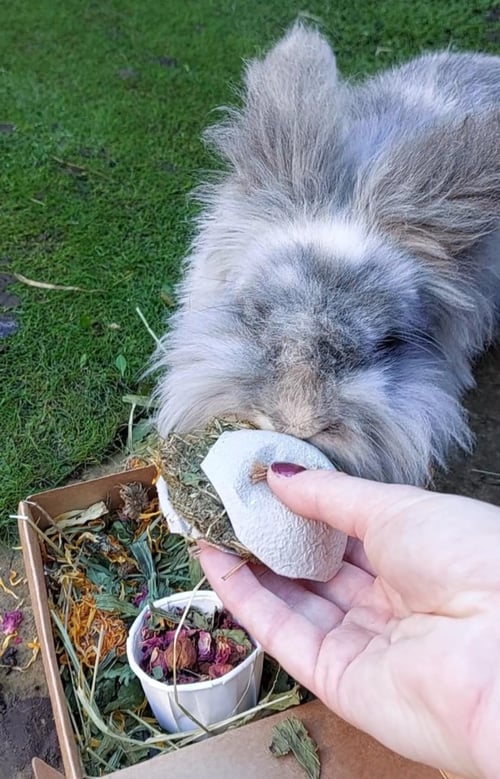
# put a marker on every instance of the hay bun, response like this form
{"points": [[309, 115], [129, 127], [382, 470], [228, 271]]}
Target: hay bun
{"points": [[287, 543]]}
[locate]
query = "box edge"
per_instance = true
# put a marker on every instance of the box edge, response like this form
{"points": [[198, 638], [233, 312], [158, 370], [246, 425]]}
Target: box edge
{"points": [[36, 585]]}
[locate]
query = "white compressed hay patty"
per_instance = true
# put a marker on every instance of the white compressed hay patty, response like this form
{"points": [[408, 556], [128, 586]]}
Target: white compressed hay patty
{"points": [[288, 544]]}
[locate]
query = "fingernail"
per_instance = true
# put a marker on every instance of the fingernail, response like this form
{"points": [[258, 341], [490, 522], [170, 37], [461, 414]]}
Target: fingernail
{"points": [[286, 469]]}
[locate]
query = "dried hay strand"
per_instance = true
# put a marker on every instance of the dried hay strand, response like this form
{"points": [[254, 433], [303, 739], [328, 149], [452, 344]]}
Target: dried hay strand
{"points": [[191, 493]]}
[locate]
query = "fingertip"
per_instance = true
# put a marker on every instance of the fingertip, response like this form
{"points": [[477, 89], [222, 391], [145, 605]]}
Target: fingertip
{"points": [[293, 482], [286, 470], [303, 491], [347, 503]]}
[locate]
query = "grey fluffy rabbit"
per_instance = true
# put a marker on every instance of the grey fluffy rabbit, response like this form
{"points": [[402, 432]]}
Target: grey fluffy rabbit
{"points": [[345, 270]]}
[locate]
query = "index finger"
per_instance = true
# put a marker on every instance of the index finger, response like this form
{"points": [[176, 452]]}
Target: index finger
{"points": [[348, 503], [431, 548]]}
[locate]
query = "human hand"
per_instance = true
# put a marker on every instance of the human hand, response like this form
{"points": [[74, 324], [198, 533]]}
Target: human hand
{"points": [[404, 642]]}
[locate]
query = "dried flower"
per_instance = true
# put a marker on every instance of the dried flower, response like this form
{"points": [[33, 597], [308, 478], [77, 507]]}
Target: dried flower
{"points": [[158, 661], [135, 500], [86, 624], [223, 649], [141, 596], [183, 652], [11, 621], [204, 646], [201, 653], [219, 669]]}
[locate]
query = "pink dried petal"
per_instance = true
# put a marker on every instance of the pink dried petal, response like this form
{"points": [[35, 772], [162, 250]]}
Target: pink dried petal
{"points": [[228, 623], [157, 660], [141, 596], [219, 669], [184, 654], [181, 678], [223, 649], [161, 640], [238, 654], [170, 635], [204, 646], [11, 621]]}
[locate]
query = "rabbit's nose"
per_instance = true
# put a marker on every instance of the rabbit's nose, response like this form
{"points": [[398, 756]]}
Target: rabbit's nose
{"points": [[299, 428], [305, 428]]}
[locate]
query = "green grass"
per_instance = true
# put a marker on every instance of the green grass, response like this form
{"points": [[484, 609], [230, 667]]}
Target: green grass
{"points": [[90, 84]]}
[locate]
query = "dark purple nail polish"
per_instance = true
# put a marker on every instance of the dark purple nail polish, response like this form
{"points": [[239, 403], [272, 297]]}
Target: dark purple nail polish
{"points": [[286, 469]]}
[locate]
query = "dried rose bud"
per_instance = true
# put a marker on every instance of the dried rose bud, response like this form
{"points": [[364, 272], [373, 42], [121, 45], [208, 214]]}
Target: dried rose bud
{"points": [[185, 679], [204, 646], [157, 660], [223, 649], [161, 640], [238, 653], [228, 623], [185, 654], [11, 621], [219, 669]]}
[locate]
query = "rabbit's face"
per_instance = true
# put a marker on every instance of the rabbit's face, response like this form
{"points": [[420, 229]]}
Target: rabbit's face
{"points": [[339, 354], [342, 355]]}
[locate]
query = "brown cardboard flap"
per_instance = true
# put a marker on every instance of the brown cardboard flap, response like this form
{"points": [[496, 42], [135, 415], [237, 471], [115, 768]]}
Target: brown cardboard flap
{"points": [[43, 771], [345, 753], [84, 494]]}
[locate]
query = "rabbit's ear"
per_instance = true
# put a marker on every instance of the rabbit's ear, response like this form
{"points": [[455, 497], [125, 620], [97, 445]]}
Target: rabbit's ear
{"points": [[439, 194], [283, 137]]}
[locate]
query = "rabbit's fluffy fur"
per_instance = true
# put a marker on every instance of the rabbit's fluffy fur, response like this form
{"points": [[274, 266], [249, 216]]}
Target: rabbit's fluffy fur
{"points": [[345, 270]]}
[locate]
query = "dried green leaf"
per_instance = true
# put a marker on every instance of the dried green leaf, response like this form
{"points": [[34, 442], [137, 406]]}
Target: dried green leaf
{"points": [[108, 602], [81, 517], [195, 618], [123, 532], [191, 479], [157, 673], [290, 735], [100, 576], [195, 571], [279, 701], [122, 672], [141, 430], [199, 620], [128, 697], [142, 553]]}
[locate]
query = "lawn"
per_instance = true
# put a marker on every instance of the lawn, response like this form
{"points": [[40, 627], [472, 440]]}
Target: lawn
{"points": [[101, 108]]}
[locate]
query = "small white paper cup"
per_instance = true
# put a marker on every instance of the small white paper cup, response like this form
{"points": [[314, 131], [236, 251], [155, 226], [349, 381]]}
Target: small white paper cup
{"points": [[208, 702]]}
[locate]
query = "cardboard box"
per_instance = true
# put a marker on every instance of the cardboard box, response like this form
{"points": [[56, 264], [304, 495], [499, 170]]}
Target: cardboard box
{"points": [[345, 752]]}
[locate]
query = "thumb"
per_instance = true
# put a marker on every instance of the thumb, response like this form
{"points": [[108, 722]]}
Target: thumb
{"points": [[347, 503]]}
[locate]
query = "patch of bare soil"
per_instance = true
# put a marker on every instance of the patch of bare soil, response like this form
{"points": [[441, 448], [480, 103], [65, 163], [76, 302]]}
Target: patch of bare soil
{"points": [[26, 724]]}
